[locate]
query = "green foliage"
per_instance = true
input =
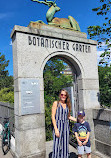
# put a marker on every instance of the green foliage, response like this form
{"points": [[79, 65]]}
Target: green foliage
{"points": [[6, 82], [105, 85], [7, 95], [54, 81], [103, 33], [5, 79], [48, 123]]}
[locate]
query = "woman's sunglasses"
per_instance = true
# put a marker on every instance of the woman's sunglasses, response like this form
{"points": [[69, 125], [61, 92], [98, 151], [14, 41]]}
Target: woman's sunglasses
{"points": [[63, 95]]}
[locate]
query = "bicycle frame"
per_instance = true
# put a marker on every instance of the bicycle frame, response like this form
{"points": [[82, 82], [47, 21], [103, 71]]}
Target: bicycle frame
{"points": [[7, 129]]}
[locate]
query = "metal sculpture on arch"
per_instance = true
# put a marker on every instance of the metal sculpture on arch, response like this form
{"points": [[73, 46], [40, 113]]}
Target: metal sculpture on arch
{"points": [[69, 23]]}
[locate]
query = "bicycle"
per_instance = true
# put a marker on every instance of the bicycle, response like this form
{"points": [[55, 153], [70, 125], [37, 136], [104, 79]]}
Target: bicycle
{"points": [[6, 136]]}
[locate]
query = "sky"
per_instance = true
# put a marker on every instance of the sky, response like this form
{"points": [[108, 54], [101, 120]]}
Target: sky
{"points": [[21, 12]]}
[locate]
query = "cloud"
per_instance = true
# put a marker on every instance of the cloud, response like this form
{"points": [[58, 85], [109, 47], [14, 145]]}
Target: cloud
{"points": [[104, 46], [98, 56], [10, 43], [5, 15], [101, 50]]}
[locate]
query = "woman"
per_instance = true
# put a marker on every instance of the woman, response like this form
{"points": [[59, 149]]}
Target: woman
{"points": [[60, 119]]}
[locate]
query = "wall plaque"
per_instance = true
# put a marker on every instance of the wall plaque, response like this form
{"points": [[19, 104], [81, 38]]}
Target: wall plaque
{"points": [[30, 96]]}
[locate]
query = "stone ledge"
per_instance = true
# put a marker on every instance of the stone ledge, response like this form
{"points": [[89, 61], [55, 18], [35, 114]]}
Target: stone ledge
{"points": [[51, 31], [102, 114], [7, 105]]}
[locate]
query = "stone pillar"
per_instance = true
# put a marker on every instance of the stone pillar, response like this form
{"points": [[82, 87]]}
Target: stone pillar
{"points": [[28, 102]]}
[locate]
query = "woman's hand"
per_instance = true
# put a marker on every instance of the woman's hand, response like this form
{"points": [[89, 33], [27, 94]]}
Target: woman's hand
{"points": [[57, 133], [72, 118]]}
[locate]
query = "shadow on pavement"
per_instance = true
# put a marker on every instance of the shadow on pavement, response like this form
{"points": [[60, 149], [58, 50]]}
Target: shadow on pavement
{"points": [[72, 155]]}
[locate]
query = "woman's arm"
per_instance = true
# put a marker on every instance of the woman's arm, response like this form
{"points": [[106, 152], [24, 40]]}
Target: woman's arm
{"points": [[72, 118], [54, 108]]}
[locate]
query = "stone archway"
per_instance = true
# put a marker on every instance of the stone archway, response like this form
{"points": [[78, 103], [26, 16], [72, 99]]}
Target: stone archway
{"points": [[32, 48], [76, 70]]}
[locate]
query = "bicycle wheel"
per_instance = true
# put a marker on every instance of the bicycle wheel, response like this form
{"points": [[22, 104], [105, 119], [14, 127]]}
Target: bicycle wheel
{"points": [[5, 142]]}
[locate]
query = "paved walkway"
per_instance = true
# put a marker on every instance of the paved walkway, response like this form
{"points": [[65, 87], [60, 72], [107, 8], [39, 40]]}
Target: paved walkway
{"points": [[73, 152]]}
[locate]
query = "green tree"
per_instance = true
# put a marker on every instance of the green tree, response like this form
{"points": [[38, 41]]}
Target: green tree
{"points": [[5, 79], [7, 95], [105, 85], [54, 80], [103, 33], [6, 82]]}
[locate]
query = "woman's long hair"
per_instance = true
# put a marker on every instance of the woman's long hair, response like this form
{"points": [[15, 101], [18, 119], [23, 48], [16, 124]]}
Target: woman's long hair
{"points": [[67, 101]]}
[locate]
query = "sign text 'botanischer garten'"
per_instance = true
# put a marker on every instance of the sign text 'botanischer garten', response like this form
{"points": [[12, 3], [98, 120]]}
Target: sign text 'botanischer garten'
{"points": [[58, 44]]}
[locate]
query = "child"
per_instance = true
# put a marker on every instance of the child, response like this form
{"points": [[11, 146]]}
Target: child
{"points": [[82, 131]]}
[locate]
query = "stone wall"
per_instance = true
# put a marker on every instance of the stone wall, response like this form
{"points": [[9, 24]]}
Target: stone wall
{"points": [[89, 119], [102, 128]]}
